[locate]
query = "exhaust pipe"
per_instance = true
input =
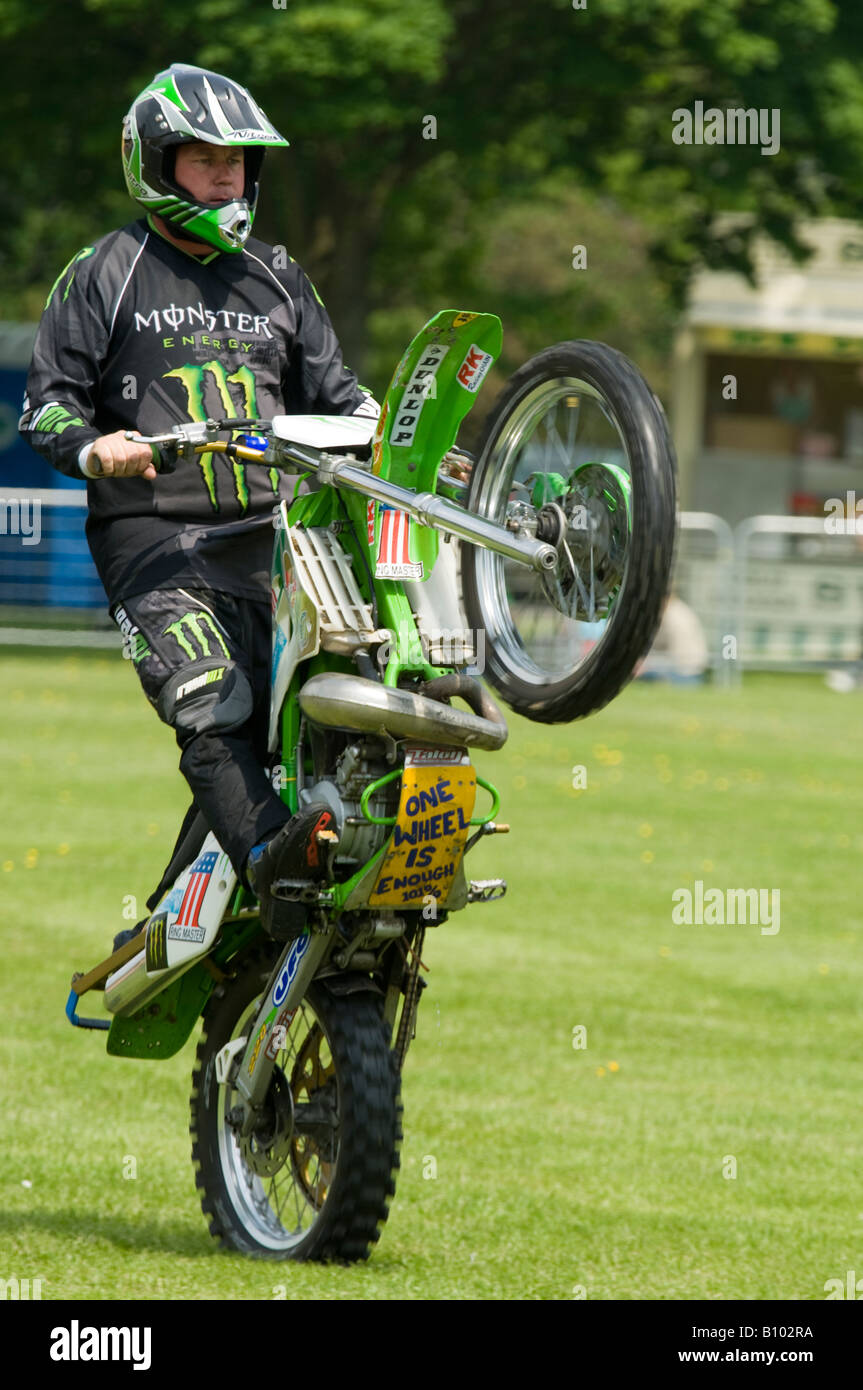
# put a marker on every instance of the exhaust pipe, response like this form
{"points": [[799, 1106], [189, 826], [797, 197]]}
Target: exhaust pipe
{"points": [[343, 701]]}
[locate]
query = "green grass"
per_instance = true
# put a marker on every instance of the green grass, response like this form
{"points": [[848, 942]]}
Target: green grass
{"points": [[556, 1167]]}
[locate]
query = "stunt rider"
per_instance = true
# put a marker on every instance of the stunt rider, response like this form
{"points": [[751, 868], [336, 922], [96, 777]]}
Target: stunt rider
{"points": [[184, 315]]}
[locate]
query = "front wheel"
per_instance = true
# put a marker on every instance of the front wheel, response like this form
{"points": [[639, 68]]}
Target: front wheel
{"points": [[577, 452], [314, 1180]]}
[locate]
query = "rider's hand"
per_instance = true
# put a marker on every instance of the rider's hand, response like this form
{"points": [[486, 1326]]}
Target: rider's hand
{"points": [[115, 456]]}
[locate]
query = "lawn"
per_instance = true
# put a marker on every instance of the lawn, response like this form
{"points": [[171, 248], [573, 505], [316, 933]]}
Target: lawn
{"points": [[703, 1142]]}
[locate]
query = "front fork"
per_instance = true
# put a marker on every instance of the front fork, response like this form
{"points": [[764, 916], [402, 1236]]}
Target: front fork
{"points": [[286, 988], [246, 1064]]}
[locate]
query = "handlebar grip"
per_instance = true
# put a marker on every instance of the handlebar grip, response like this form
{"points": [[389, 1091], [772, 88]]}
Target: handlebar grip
{"points": [[164, 457]]}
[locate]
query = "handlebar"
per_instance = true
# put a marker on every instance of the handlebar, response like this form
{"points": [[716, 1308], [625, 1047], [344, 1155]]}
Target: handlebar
{"points": [[339, 471]]}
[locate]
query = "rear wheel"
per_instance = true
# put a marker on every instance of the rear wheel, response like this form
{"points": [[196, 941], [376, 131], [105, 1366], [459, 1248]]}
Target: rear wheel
{"points": [[577, 452], [314, 1180]]}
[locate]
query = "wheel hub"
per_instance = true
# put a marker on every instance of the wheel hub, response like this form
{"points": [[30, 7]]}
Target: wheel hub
{"points": [[592, 534], [268, 1145]]}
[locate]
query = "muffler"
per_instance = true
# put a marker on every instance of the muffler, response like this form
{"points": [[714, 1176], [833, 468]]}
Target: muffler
{"points": [[343, 701]]}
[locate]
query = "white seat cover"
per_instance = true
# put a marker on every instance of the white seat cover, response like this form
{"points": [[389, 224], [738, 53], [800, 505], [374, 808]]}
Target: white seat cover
{"points": [[325, 431]]}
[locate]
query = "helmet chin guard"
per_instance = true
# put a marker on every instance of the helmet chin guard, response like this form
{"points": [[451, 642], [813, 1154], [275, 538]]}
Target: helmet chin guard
{"points": [[181, 105]]}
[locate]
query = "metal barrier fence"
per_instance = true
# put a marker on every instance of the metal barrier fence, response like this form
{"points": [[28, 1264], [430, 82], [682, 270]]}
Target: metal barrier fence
{"points": [[44, 559], [50, 592], [799, 593], [777, 593]]}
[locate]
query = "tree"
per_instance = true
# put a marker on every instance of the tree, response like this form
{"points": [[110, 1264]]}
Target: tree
{"points": [[524, 99]]}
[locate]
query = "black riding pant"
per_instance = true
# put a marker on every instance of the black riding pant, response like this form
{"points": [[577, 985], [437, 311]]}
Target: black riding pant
{"points": [[204, 661]]}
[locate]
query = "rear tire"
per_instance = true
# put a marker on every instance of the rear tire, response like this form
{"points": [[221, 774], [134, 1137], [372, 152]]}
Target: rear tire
{"points": [[332, 1179], [626, 558]]}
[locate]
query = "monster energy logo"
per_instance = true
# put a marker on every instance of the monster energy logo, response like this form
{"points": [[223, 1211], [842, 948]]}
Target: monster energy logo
{"points": [[197, 380], [200, 627], [157, 946], [81, 256]]}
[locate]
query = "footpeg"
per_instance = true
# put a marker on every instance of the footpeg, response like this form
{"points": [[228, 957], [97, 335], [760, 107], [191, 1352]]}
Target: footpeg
{"points": [[295, 890], [486, 890]]}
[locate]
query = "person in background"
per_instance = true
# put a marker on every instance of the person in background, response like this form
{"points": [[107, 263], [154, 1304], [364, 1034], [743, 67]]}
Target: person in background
{"points": [[679, 652]]}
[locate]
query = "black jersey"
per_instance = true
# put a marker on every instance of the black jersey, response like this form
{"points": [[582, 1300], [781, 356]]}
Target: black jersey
{"points": [[137, 334]]}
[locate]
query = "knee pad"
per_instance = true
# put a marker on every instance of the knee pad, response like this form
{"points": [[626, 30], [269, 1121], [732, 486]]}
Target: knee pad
{"points": [[206, 695]]}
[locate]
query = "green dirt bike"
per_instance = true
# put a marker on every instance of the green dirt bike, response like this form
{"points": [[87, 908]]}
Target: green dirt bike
{"points": [[564, 527]]}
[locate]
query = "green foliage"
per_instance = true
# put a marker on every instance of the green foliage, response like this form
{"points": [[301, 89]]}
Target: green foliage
{"points": [[525, 98], [516, 260]]}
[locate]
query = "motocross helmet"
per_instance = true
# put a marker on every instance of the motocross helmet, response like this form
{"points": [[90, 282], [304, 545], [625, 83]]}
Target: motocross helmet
{"points": [[181, 105]]}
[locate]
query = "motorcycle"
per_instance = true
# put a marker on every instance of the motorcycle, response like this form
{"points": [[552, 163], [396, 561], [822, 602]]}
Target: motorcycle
{"points": [[403, 571]]}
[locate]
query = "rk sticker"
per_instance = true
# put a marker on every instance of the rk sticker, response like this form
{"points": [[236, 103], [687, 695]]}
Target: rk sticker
{"points": [[429, 835], [472, 371], [461, 319]]}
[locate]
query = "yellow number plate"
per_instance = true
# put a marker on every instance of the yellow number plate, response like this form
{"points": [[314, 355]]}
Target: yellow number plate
{"points": [[436, 804]]}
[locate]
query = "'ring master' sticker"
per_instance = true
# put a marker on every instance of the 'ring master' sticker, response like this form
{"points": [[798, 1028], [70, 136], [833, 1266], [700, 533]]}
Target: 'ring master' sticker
{"points": [[426, 849], [393, 558]]}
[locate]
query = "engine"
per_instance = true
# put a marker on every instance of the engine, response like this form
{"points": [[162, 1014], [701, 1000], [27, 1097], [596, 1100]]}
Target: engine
{"points": [[360, 764]]}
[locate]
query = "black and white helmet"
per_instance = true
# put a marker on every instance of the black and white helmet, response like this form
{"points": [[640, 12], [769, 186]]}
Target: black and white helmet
{"points": [[181, 105]]}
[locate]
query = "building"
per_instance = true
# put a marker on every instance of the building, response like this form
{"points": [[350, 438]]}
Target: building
{"points": [[767, 416], [767, 407]]}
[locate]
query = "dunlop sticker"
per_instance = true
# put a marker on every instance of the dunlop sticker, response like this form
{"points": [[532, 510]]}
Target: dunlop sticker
{"points": [[416, 393], [429, 836]]}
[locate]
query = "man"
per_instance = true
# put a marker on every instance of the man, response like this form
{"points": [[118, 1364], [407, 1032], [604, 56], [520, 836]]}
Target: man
{"points": [[679, 652], [183, 315]]}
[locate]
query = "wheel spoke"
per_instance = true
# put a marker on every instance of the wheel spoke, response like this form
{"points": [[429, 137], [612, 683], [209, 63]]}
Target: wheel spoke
{"points": [[537, 619], [302, 1181]]}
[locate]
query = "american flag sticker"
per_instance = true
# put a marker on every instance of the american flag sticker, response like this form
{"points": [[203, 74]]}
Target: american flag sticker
{"points": [[196, 888], [394, 561]]}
